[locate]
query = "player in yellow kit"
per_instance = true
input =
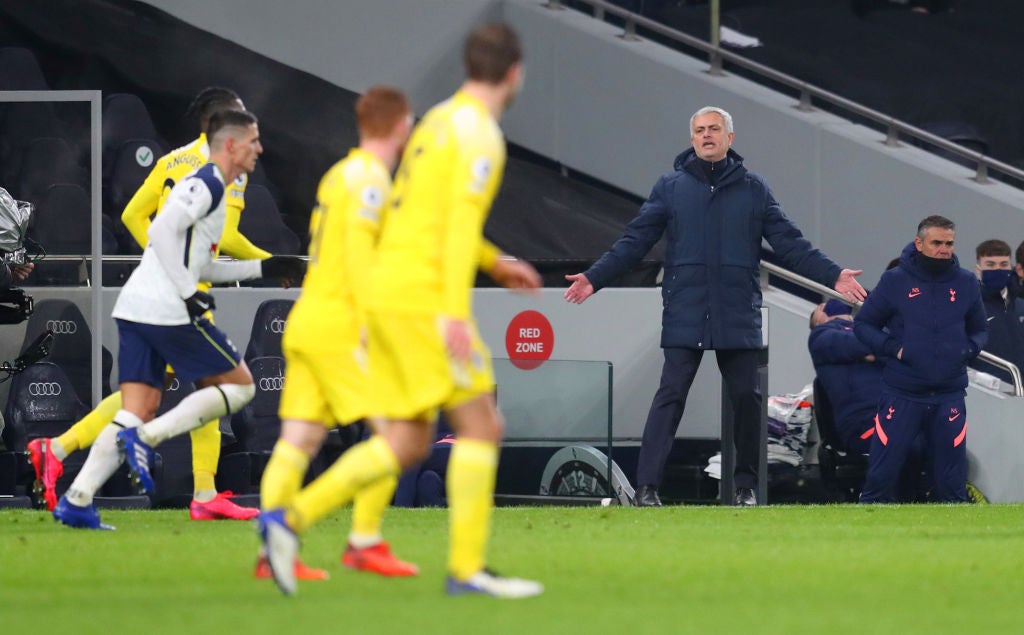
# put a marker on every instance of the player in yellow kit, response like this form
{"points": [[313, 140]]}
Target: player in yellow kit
{"points": [[47, 455], [425, 353], [324, 344]]}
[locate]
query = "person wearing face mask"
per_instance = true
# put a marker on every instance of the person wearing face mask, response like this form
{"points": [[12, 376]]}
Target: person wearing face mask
{"points": [[1017, 281], [927, 318], [1005, 311]]}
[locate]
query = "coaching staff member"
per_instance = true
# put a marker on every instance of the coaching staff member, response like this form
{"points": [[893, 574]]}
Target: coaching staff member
{"points": [[713, 213], [926, 316]]}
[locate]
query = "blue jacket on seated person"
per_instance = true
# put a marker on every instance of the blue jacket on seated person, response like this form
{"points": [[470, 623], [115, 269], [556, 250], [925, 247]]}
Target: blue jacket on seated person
{"points": [[851, 382], [1005, 331]]}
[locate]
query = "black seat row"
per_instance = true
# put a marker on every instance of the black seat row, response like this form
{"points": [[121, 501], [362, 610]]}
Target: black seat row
{"points": [[50, 396]]}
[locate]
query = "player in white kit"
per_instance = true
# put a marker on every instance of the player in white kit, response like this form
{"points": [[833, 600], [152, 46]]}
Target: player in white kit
{"points": [[159, 315]]}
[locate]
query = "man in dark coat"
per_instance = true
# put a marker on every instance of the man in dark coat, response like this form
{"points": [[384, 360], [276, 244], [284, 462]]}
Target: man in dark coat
{"points": [[713, 214], [927, 319], [849, 373], [1004, 309]]}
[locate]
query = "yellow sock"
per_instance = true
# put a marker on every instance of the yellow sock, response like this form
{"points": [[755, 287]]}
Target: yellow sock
{"points": [[204, 486], [205, 456], [282, 478], [472, 470], [82, 434], [355, 470], [369, 506]]}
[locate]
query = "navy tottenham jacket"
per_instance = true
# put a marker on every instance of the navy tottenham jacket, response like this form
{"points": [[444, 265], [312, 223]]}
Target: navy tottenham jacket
{"points": [[711, 292], [939, 321], [1005, 331], [852, 383]]}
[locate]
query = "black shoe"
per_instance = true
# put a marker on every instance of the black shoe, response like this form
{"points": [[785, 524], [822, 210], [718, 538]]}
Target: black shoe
{"points": [[647, 496], [745, 497]]}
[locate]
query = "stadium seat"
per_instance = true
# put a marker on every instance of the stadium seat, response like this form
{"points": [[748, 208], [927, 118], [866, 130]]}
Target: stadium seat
{"points": [[174, 487], [72, 344], [62, 224], [259, 177], [962, 133], [842, 473], [21, 123], [125, 117], [42, 403], [19, 70], [262, 224], [257, 425], [47, 161], [267, 328], [131, 163]]}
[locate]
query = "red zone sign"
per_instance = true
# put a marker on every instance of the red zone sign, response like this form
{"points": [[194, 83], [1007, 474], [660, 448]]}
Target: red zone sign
{"points": [[529, 340]]}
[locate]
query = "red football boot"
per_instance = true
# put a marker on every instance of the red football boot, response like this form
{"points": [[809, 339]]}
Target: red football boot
{"points": [[48, 469], [221, 508], [378, 559]]}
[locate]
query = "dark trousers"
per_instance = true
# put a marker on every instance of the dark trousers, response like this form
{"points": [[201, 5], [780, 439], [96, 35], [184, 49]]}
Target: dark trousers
{"points": [[909, 488], [739, 374], [898, 422]]}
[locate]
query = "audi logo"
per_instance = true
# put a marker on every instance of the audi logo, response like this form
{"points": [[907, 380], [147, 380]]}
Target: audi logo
{"points": [[62, 327], [276, 325], [271, 383], [44, 389]]}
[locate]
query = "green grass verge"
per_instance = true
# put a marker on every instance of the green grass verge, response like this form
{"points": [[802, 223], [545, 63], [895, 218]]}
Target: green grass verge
{"points": [[807, 569]]}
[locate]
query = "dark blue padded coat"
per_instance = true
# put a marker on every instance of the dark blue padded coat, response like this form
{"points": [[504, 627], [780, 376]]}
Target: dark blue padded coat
{"points": [[711, 292], [852, 383], [938, 321], [1005, 331]]}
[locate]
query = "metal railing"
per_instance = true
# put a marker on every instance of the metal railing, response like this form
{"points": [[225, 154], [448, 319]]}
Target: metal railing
{"points": [[84, 260], [768, 268], [807, 93]]}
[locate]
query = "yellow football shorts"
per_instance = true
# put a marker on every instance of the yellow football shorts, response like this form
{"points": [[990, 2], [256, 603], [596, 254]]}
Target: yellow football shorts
{"points": [[411, 374], [324, 384]]}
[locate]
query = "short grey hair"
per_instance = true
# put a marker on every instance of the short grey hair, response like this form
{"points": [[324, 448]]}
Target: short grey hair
{"points": [[934, 221], [726, 117]]}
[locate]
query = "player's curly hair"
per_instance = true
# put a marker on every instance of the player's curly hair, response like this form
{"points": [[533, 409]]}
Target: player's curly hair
{"points": [[210, 100]]}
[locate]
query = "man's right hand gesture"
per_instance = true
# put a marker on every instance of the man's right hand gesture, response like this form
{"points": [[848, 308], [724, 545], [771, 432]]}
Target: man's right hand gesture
{"points": [[579, 290]]}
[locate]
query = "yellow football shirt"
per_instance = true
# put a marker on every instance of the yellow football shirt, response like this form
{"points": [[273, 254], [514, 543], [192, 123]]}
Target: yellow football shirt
{"points": [[171, 168], [344, 226], [431, 239]]}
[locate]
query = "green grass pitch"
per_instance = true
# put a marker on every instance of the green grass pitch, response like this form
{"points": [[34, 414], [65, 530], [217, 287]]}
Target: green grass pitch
{"points": [[701, 570]]}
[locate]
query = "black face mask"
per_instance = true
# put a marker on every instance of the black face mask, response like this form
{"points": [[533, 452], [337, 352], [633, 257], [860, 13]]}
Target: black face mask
{"points": [[934, 266]]}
